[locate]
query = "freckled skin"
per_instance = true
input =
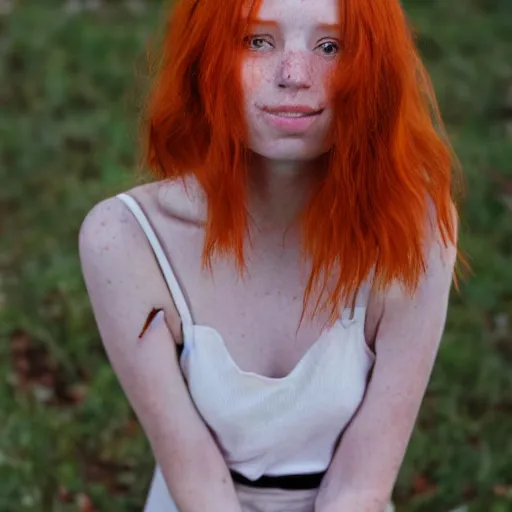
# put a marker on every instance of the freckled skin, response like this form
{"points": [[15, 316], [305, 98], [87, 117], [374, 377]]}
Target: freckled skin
{"points": [[258, 315], [290, 68]]}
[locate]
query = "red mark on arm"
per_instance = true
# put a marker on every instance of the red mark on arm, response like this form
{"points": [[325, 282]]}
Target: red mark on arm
{"points": [[148, 321]]}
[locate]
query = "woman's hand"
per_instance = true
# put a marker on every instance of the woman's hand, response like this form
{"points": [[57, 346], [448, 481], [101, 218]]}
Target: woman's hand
{"points": [[356, 503]]}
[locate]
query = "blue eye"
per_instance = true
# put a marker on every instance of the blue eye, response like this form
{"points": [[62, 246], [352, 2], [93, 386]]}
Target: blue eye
{"points": [[256, 43], [330, 48]]}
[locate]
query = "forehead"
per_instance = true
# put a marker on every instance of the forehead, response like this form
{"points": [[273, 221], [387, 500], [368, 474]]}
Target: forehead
{"points": [[299, 12]]}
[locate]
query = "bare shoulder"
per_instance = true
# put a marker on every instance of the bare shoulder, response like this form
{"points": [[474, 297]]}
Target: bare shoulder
{"points": [[107, 228], [111, 230], [433, 288], [120, 271], [110, 236]]}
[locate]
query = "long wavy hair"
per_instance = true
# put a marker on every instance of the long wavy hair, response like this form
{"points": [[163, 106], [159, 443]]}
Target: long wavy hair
{"points": [[390, 173]]}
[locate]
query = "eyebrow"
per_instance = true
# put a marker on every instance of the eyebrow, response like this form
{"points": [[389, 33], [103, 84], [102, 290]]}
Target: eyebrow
{"points": [[274, 23], [329, 26], [259, 21]]}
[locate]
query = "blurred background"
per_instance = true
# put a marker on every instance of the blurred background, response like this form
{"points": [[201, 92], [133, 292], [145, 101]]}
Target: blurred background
{"points": [[69, 72]]}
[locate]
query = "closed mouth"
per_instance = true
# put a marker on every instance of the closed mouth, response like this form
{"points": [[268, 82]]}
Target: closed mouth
{"points": [[292, 111], [295, 114]]}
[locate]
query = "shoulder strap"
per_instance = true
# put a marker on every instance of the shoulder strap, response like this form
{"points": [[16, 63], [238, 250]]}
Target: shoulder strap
{"points": [[169, 276]]}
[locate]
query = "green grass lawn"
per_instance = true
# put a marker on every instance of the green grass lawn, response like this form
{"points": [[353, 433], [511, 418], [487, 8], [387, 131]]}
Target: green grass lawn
{"points": [[68, 139]]}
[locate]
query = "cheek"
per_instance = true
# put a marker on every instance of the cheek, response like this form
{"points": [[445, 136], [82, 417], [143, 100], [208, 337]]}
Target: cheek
{"points": [[321, 75], [254, 75]]}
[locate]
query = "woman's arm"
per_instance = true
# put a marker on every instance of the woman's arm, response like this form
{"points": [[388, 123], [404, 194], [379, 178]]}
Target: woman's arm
{"points": [[124, 284], [364, 469]]}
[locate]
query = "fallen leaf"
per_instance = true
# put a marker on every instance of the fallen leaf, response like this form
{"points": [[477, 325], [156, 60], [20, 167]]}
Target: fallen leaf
{"points": [[64, 495], [84, 503], [502, 490], [421, 484]]}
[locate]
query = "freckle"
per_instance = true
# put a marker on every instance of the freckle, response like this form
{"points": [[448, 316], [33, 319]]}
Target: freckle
{"points": [[109, 281], [256, 78]]}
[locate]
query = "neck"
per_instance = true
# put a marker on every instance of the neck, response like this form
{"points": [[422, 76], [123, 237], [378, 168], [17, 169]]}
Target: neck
{"points": [[279, 190]]}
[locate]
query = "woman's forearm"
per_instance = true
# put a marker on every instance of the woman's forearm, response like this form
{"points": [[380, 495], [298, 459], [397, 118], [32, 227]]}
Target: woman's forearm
{"points": [[352, 501], [199, 481], [213, 494]]}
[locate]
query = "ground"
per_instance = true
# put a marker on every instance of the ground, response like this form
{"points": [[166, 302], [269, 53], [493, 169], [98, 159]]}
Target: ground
{"points": [[69, 95]]}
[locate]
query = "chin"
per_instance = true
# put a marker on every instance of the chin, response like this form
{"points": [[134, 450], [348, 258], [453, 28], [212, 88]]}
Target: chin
{"points": [[299, 150]]}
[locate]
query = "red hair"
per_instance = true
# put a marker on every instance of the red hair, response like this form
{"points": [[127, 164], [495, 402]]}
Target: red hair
{"points": [[389, 166]]}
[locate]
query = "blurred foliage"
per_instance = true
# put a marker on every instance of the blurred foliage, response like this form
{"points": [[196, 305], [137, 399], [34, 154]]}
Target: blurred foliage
{"points": [[68, 440]]}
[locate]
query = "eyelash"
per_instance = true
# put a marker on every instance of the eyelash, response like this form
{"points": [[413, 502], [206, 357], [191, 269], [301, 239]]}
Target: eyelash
{"points": [[332, 43], [250, 39]]}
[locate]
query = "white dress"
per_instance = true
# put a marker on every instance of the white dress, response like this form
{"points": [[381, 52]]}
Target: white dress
{"points": [[264, 425]]}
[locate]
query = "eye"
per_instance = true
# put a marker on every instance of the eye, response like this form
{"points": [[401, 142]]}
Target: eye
{"points": [[330, 48], [257, 43]]}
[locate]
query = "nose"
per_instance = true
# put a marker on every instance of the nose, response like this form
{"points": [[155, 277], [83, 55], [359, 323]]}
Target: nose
{"points": [[294, 72]]}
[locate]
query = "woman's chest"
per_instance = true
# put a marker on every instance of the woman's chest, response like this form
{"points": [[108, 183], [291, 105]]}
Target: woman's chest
{"points": [[256, 315]]}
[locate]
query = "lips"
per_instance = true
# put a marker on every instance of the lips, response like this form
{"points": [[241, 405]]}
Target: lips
{"points": [[291, 119], [292, 110]]}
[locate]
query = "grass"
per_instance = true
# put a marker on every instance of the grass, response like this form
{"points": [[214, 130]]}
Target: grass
{"points": [[68, 440]]}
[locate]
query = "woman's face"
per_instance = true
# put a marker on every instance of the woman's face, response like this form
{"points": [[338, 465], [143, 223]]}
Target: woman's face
{"points": [[289, 51]]}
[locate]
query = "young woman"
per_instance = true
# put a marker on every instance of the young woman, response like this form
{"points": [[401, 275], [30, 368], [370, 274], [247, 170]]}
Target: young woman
{"points": [[299, 244]]}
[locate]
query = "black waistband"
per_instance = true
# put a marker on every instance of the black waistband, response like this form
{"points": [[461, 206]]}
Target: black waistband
{"points": [[288, 482]]}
